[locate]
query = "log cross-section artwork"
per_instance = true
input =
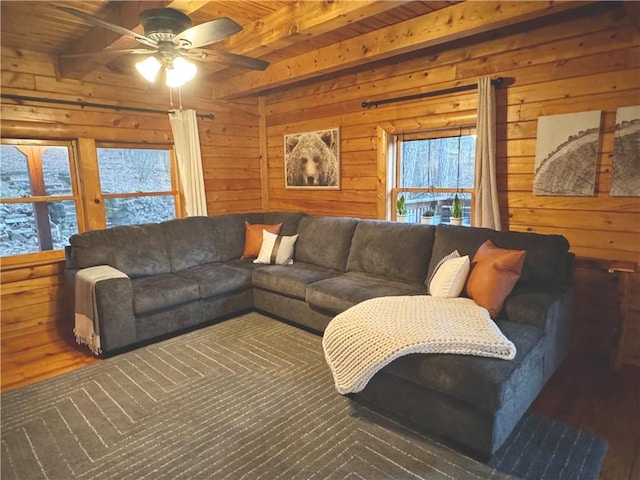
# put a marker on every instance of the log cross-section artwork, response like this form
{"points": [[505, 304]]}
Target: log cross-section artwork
{"points": [[567, 154], [625, 168]]}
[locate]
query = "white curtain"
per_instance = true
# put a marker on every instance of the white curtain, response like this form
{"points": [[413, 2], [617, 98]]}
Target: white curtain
{"points": [[486, 211], [186, 139]]}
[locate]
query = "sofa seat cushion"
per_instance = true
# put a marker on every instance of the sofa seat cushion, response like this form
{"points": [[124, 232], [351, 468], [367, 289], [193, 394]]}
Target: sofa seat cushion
{"points": [[162, 291], [215, 279], [290, 280], [336, 294], [487, 383]]}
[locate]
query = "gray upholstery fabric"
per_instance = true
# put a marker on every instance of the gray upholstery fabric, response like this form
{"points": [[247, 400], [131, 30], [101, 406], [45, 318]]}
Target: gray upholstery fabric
{"points": [[186, 272], [399, 251], [449, 238], [191, 241], [215, 279], [325, 241], [289, 220], [173, 320], [339, 293], [114, 301], [229, 235], [529, 303], [547, 256], [136, 250], [290, 308], [485, 382], [162, 291], [291, 280]]}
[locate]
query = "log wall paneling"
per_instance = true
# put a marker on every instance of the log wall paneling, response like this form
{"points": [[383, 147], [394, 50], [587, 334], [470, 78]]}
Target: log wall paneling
{"points": [[35, 319], [589, 62]]}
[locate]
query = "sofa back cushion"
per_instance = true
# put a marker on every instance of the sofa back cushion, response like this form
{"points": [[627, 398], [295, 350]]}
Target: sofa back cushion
{"points": [[137, 250], [547, 258], [190, 242], [289, 220], [396, 250], [325, 241]]}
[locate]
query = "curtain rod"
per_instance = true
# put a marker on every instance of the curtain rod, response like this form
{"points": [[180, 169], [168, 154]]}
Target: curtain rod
{"points": [[498, 82], [23, 98]]}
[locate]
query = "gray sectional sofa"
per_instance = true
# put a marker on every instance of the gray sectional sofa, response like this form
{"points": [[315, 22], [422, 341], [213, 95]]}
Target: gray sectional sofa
{"points": [[187, 272]]}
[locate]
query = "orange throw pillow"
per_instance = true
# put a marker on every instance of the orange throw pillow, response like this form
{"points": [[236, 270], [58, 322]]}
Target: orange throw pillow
{"points": [[253, 237], [493, 274]]}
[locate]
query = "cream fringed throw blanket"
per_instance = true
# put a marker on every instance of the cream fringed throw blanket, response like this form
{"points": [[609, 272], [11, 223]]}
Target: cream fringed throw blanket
{"points": [[368, 336], [87, 328]]}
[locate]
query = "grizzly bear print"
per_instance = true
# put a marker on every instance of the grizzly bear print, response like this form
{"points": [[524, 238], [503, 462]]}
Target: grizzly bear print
{"points": [[311, 159]]}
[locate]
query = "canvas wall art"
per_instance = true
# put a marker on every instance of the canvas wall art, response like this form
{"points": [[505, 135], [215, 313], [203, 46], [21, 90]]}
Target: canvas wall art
{"points": [[312, 159], [567, 154], [625, 168]]}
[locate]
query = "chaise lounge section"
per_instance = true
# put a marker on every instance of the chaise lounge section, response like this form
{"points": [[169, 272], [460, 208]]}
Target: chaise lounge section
{"points": [[188, 272]]}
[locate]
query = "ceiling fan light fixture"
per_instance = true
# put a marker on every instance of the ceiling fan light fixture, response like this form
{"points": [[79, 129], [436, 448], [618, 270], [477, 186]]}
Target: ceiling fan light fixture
{"points": [[149, 68], [179, 72]]}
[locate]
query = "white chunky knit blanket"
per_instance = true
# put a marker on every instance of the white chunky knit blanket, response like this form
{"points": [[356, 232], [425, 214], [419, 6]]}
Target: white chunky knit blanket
{"points": [[366, 337]]}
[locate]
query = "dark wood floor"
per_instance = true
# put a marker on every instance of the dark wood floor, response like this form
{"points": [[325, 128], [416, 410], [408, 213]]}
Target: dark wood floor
{"points": [[584, 393]]}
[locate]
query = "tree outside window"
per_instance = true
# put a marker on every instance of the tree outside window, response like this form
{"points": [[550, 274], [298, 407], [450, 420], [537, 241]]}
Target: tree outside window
{"points": [[38, 197], [432, 167], [137, 185]]}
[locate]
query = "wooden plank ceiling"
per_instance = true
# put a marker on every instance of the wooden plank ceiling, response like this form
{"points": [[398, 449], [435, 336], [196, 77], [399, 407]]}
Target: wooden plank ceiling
{"points": [[301, 39]]}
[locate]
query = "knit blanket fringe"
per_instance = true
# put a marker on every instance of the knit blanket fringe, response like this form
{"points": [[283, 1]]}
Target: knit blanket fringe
{"points": [[368, 336]]}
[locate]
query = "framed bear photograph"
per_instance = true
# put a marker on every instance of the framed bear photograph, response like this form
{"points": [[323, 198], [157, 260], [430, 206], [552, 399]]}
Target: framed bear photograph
{"points": [[312, 160]]}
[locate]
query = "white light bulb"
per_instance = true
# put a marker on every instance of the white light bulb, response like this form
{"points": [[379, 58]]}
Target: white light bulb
{"points": [[180, 72], [149, 68]]}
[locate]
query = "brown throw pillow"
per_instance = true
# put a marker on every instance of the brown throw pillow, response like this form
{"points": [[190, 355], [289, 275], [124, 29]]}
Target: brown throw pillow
{"points": [[253, 237], [493, 274]]}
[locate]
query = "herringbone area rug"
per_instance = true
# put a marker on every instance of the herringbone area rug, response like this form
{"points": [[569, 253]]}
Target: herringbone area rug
{"points": [[249, 398]]}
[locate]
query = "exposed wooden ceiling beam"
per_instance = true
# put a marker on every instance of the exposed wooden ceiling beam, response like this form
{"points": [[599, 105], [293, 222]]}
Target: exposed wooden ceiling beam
{"points": [[125, 14], [301, 21], [456, 22]]}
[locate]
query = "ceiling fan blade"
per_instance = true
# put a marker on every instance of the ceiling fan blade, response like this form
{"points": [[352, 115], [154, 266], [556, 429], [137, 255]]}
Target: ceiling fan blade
{"points": [[226, 58], [207, 33], [106, 53], [110, 26]]}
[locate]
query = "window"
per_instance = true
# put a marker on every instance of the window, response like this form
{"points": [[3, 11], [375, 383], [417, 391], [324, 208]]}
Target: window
{"points": [[138, 184], [38, 196], [431, 167]]}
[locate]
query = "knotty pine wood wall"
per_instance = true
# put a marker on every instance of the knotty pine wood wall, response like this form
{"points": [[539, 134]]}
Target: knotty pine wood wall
{"points": [[589, 62], [33, 311]]}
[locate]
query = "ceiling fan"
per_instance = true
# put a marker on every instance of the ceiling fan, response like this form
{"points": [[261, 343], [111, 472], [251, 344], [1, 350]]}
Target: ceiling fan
{"points": [[171, 42]]}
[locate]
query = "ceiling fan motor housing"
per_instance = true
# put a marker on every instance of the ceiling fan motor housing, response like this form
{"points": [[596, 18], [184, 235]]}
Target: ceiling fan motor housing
{"points": [[162, 24]]}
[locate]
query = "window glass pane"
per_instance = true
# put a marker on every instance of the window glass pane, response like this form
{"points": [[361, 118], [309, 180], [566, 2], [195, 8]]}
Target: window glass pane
{"points": [[127, 170], [63, 220], [18, 229], [434, 162], [55, 168], [134, 211], [14, 173]]}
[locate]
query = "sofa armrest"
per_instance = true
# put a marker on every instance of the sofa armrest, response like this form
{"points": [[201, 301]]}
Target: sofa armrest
{"points": [[548, 307], [114, 301], [530, 303]]}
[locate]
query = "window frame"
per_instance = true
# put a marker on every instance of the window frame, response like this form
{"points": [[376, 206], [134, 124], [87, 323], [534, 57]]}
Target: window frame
{"points": [[395, 162], [176, 189], [44, 200]]}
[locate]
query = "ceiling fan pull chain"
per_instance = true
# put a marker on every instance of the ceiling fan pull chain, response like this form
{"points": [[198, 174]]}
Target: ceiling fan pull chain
{"points": [[180, 97], [171, 98]]}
